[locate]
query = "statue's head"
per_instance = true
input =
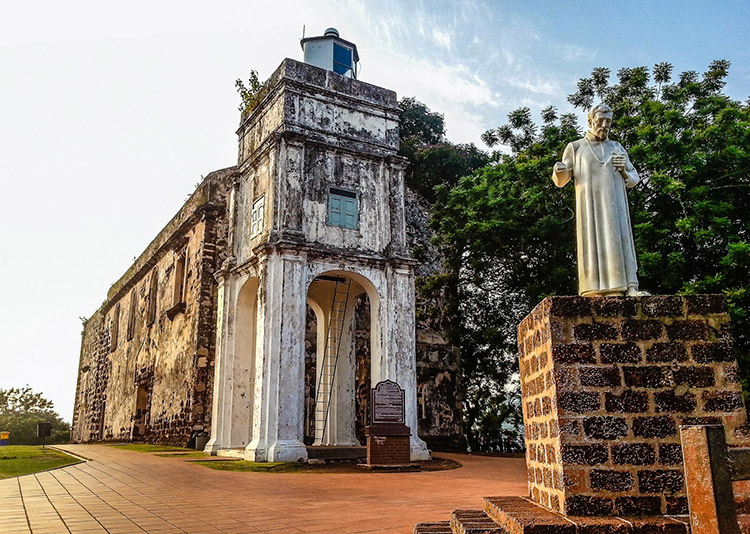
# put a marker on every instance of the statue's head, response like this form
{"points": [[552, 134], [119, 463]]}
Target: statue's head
{"points": [[600, 120]]}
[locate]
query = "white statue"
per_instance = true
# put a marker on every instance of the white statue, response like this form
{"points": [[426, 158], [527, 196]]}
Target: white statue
{"points": [[602, 171]]}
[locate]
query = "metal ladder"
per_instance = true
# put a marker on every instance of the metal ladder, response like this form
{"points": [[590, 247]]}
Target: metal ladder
{"points": [[327, 369]]}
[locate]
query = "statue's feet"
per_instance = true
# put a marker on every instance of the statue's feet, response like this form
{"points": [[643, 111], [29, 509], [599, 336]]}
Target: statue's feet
{"points": [[635, 292]]}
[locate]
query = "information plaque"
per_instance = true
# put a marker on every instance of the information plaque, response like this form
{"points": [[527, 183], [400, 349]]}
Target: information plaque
{"points": [[387, 403]]}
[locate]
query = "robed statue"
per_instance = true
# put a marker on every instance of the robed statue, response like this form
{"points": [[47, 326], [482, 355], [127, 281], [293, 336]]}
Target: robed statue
{"points": [[602, 172]]}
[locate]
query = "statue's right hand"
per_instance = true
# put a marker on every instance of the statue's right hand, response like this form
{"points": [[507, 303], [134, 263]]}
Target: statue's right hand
{"points": [[561, 167]]}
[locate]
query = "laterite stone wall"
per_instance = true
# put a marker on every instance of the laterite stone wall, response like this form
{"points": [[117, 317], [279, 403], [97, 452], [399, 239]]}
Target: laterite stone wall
{"points": [[606, 383]]}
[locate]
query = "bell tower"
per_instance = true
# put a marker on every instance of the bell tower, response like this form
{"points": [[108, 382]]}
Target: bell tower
{"points": [[316, 219]]}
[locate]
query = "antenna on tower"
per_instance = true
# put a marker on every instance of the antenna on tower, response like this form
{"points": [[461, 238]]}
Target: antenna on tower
{"points": [[303, 31]]}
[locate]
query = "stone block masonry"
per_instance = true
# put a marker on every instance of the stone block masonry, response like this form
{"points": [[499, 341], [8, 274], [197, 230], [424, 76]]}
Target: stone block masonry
{"points": [[606, 383]]}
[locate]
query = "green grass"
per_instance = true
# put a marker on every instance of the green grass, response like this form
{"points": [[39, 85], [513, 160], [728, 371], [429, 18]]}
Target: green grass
{"points": [[256, 467], [17, 460], [147, 447]]}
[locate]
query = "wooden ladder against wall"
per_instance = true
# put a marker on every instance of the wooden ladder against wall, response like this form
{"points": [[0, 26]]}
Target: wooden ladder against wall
{"points": [[327, 370]]}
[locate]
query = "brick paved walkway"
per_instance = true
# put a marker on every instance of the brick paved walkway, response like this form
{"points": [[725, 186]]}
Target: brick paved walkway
{"points": [[121, 492]]}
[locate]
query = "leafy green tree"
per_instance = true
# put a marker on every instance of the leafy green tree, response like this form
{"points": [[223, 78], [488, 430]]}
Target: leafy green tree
{"points": [[20, 411], [508, 234], [418, 126], [433, 160], [691, 144], [442, 164]]}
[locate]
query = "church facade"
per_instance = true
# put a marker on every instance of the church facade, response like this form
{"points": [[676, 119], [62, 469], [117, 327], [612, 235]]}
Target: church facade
{"points": [[262, 314]]}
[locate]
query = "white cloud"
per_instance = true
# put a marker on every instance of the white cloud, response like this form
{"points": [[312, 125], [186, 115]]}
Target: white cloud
{"points": [[535, 84], [576, 52], [442, 38]]}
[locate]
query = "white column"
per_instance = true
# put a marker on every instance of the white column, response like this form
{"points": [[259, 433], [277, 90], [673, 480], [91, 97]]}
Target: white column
{"points": [[223, 364], [279, 392], [399, 359]]}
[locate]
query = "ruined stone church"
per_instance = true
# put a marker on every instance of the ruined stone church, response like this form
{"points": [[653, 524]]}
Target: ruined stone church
{"points": [[261, 315]]}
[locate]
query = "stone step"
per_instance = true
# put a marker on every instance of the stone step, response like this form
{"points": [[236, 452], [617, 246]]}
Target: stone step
{"points": [[438, 527], [319, 452], [473, 522], [518, 515]]}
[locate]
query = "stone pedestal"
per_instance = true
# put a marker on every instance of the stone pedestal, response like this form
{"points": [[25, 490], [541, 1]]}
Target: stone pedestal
{"points": [[606, 382], [388, 444]]}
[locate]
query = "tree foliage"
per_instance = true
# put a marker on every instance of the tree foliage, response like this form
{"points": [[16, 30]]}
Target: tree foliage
{"points": [[505, 236], [433, 160], [251, 94], [509, 234], [20, 411]]}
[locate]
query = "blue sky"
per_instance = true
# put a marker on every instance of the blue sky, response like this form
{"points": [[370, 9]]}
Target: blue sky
{"points": [[111, 113]]}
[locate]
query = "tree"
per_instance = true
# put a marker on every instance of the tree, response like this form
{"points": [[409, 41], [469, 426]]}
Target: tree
{"points": [[418, 126], [508, 233], [20, 411], [692, 146], [505, 235], [251, 94], [433, 160]]}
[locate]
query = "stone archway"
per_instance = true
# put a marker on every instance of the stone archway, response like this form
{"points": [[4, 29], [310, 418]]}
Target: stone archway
{"points": [[345, 408]]}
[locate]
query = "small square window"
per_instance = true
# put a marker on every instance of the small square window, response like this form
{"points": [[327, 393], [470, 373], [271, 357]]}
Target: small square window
{"points": [[343, 209], [256, 222]]}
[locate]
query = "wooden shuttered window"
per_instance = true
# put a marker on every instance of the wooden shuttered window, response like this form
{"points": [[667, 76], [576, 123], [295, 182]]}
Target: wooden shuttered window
{"points": [[343, 209]]}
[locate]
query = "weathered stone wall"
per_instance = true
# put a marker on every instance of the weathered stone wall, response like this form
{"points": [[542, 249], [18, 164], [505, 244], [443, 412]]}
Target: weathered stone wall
{"points": [[439, 379], [93, 377], [439, 395], [163, 339], [316, 130], [606, 382]]}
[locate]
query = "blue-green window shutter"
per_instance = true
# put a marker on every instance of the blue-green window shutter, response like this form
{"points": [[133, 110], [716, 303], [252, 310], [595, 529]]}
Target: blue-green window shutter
{"points": [[334, 210], [350, 213], [342, 208]]}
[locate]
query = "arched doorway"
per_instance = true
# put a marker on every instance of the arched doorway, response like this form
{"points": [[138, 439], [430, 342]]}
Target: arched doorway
{"points": [[244, 364], [339, 342]]}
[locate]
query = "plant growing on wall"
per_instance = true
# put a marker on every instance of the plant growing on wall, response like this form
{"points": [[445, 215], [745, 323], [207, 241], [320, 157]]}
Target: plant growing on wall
{"points": [[251, 94]]}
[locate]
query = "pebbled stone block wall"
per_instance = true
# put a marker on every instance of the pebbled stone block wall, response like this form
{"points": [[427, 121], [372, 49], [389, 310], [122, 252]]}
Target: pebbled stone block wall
{"points": [[606, 383]]}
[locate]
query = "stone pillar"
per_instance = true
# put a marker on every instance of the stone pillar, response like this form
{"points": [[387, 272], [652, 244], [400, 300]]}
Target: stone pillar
{"points": [[221, 408], [606, 383], [278, 416], [398, 361]]}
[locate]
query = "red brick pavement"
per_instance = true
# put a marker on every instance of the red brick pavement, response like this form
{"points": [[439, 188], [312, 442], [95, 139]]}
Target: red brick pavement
{"points": [[123, 492]]}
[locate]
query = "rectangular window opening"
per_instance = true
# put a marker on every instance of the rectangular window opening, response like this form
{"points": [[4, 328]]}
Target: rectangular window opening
{"points": [[342, 59], [256, 222], [152, 295], [180, 275], [343, 208], [131, 313], [115, 328]]}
